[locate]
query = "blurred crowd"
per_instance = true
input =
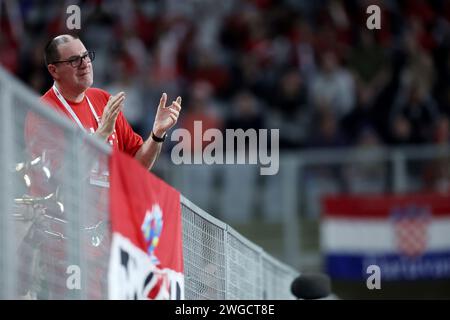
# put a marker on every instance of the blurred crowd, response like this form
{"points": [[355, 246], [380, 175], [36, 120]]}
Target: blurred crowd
{"points": [[310, 68]]}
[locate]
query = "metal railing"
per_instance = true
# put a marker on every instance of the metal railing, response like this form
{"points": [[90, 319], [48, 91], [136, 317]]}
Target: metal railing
{"points": [[222, 264], [53, 218]]}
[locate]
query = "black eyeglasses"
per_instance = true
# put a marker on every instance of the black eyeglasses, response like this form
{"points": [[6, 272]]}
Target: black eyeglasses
{"points": [[77, 61]]}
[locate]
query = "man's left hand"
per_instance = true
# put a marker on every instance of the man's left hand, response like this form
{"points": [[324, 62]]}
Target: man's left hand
{"points": [[166, 117]]}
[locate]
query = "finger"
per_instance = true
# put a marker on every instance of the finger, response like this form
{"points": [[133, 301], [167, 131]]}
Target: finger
{"points": [[116, 104], [175, 106], [114, 116], [113, 99], [162, 101], [173, 117], [120, 94], [174, 112], [120, 101], [113, 109], [119, 97], [179, 100], [119, 108], [110, 114]]}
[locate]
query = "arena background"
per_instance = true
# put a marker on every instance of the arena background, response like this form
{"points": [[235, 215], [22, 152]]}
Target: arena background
{"points": [[312, 69]]}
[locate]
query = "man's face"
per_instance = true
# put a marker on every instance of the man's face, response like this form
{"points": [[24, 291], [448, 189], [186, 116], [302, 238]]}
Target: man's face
{"points": [[75, 78]]}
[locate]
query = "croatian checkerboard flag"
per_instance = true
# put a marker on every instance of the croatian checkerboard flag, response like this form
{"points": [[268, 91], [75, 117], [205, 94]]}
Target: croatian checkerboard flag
{"points": [[146, 260], [408, 237]]}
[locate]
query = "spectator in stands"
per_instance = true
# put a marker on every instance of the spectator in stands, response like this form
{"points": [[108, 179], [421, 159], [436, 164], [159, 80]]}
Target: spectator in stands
{"points": [[436, 175], [323, 179], [442, 137], [247, 50], [201, 107], [201, 111], [361, 117], [368, 63], [134, 107], [328, 134], [368, 176], [414, 116], [333, 87], [247, 37], [442, 131], [239, 180], [291, 113], [246, 112], [8, 54], [70, 65]]}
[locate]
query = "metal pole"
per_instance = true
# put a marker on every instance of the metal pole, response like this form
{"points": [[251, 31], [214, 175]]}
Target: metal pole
{"points": [[289, 207], [73, 198], [8, 274], [399, 174], [227, 262]]}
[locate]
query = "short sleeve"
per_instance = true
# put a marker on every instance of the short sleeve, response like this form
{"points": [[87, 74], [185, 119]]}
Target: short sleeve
{"points": [[131, 141]]}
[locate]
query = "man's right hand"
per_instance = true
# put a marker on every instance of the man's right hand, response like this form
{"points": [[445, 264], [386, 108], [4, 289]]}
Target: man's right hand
{"points": [[110, 114]]}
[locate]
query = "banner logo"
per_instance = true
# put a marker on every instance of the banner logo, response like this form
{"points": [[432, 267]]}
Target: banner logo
{"points": [[151, 228], [411, 229]]}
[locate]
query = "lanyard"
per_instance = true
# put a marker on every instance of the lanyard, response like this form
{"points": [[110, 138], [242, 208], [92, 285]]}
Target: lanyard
{"points": [[96, 178], [71, 112]]}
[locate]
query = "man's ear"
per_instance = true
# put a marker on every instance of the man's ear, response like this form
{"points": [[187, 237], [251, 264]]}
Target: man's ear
{"points": [[53, 71]]}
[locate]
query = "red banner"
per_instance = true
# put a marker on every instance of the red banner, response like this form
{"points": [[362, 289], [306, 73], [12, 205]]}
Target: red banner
{"points": [[146, 252]]}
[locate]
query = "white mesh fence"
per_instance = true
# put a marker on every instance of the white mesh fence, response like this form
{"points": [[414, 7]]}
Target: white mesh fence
{"points": [[244, 268], [54, 222], [204, 254]]}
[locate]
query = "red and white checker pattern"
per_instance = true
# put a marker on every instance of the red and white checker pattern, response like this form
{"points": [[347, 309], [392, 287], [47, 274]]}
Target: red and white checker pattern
{"points": [[412, 234]]}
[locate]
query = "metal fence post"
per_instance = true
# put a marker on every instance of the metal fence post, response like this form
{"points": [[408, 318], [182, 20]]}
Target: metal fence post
{"points": [[291, 234], [399, 174], [227, 262], [8, 274], [72, 188]]}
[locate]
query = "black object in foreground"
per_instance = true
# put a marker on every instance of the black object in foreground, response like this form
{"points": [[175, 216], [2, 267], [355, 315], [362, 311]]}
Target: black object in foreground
{"points": [[311, 286]]}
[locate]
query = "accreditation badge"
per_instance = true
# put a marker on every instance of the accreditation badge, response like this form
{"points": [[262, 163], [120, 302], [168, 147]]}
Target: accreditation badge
{"points": [[99, 179], [99, 175]]}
